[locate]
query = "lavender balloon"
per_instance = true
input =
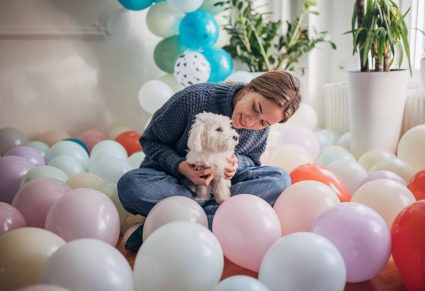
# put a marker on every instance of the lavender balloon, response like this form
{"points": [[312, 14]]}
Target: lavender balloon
{"points": [[26, 152], [374, 175], [10, 218], [360, 235], [12, 169]]}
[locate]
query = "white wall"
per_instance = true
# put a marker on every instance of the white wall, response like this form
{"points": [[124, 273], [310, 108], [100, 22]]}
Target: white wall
{"points": [[72, 65]]}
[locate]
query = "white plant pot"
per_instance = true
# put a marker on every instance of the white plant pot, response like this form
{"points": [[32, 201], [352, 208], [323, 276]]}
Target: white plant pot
{"points": [[375, 108], [423, 71]]}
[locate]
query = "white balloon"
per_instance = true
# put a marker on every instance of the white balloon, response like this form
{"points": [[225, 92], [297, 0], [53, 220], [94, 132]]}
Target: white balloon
{"points": [[162, 20], [171, 81], [179, 256], [395, 165], [306, 116], [108, 151], [153, 94], [350, 172], [136, 159], [185, 6], [192, 68], [345, 141], [240, 282], [289, 157], [110, 169], [68, 164], [373, 156], [411, 147], [108, 143], [240, 77], [88, 265], [303, 261]]}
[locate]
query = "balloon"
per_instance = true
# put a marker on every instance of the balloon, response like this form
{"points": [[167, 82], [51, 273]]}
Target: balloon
{"points": [[84, 180], [328, 157], [190, 262], [136, 4], [88, 265], [53, 136], [289, 157], [32, 155], [303, 261], [40, 146], [239, 77], [12, 170], [192, 68], [221, 63], [321, 174], [44, 172], [68, 164], [163, 21], [305, 116], [109, 143], [301, 203], [331, 134], [166, 53], [323, 139], [240, 282], [10, 218], [212, 6], [11, 137], [173, 209], [417, 185], [110, 190], [136, 159], [246, 227], [153, 94], [301, 136], [185, 6], [171, 81], [97, 216], [23, 253], [385, 196], [408, 240], [35, 199], [43, 287], [360, 235], [345, 140], [110, 151], [68, 148], [91, 137], [350, 172], [110, 169], [374, 175], [79, 142], [395, 165], [130, 141], [371, 157], [198, 30], [411, 147]]}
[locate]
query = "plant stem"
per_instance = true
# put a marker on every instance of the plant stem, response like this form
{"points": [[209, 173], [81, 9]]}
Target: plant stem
{"points": [[260, 44]]}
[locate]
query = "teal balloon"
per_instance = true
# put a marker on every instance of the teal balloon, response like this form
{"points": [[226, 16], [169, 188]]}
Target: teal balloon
{"points": [[79, 142], [221, 63], [167, 52], [212, 6], [136, 4], [198, 30]]}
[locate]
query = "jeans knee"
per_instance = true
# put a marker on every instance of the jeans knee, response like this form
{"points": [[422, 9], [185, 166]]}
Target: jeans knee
{"points": [[124, 189], [281, 178]]}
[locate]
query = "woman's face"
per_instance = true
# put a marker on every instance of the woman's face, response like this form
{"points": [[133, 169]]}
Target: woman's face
{"points": [[254, 111]]}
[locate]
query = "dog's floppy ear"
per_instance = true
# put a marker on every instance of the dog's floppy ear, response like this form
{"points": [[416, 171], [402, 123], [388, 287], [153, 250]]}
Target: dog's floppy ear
{"points": [[194, 142]]}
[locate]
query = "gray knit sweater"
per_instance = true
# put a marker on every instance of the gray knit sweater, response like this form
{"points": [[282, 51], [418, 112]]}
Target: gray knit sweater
{"points": [[165, 139]]}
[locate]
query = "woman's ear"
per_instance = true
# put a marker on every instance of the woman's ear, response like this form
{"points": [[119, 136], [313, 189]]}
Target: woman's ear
{"points": [[195, 142]]}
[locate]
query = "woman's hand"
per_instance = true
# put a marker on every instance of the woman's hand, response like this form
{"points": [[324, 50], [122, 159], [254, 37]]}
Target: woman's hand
{"points": [[230, 171], [202, 177]]}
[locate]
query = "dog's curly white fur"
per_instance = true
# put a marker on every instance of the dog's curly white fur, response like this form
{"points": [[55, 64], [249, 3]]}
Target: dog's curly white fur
{"points": [[211, 141]]}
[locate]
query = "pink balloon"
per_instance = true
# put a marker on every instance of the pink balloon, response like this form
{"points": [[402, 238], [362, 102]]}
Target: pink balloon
{"points": [[84, 213], [32, 155], [12, 169], [246, 227], [10, 218], [374, 175], [36, 198], [91, 137], [43, 287], [301, 136]]}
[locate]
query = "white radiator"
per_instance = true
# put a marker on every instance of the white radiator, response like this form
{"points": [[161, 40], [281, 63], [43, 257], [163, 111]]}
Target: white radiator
{"points": [[335, 108]]}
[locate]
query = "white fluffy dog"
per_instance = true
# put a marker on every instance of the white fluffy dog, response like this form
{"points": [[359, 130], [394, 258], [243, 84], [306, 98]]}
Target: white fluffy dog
{"points": [[211, 141]]}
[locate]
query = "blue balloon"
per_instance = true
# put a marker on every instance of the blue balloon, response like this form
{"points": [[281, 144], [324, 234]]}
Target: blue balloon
{"points": [[198, 29], [136, 4], [80, 142], [221, 63]]}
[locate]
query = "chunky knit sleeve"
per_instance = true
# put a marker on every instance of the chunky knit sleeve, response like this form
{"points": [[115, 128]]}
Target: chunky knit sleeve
{"points": [[251, 158]]}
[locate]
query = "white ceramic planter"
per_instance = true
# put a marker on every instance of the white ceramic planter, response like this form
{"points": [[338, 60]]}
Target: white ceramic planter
{"points": [[376, 105], [423, 71]]}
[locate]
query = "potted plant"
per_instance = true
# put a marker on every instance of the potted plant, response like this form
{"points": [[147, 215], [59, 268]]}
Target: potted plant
{"points": [[377, 92], [259, 42]]}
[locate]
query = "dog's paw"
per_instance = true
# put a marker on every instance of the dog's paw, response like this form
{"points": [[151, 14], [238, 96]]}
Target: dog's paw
{"points": [[221, 199]]}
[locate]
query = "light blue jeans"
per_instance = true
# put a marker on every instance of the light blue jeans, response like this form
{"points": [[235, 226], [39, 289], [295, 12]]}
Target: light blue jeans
{"points": [[140, 189]]}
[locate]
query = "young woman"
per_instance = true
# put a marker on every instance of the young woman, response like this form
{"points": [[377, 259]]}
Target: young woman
{"points": [[268, 99]]}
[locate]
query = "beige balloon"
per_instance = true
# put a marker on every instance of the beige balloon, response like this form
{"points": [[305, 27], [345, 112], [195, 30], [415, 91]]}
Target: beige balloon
{"points": [[23, 253], [171, 81], [306, 116], [54, 136], [411, 148], [371, 157], [110, 190], [84, 180], [289, 157], [385, 196], [394, 165]]}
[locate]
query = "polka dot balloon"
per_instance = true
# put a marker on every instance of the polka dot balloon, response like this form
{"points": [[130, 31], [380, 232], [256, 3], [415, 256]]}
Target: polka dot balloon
{"points": [[192, 68]]}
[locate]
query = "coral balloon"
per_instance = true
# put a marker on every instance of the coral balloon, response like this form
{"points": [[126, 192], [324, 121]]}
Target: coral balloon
{"points": [[91, 137], [130, 141], [53, 136], [417, 185], [324, 175], [408, 241]]}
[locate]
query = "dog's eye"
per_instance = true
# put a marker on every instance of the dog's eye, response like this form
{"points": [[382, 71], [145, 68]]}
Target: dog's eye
{"points": [[219, 129]]}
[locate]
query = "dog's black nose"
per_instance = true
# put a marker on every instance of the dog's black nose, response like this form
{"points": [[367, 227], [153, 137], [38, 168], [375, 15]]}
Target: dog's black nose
{"points": [[235, 138]]}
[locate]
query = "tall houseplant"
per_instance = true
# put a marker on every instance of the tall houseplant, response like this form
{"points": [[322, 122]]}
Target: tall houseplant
{"points": [[260, 43], [377, 93]]}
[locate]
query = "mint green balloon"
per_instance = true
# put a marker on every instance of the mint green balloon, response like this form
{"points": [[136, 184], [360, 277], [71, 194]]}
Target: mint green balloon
{"points": [[209, 5], [166, 53]]}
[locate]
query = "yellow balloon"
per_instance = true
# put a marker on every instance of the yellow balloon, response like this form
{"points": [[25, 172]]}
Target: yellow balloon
{"points": [[23, 253], [385, 196], [371, 157], [84, 180], [411, 148]]}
